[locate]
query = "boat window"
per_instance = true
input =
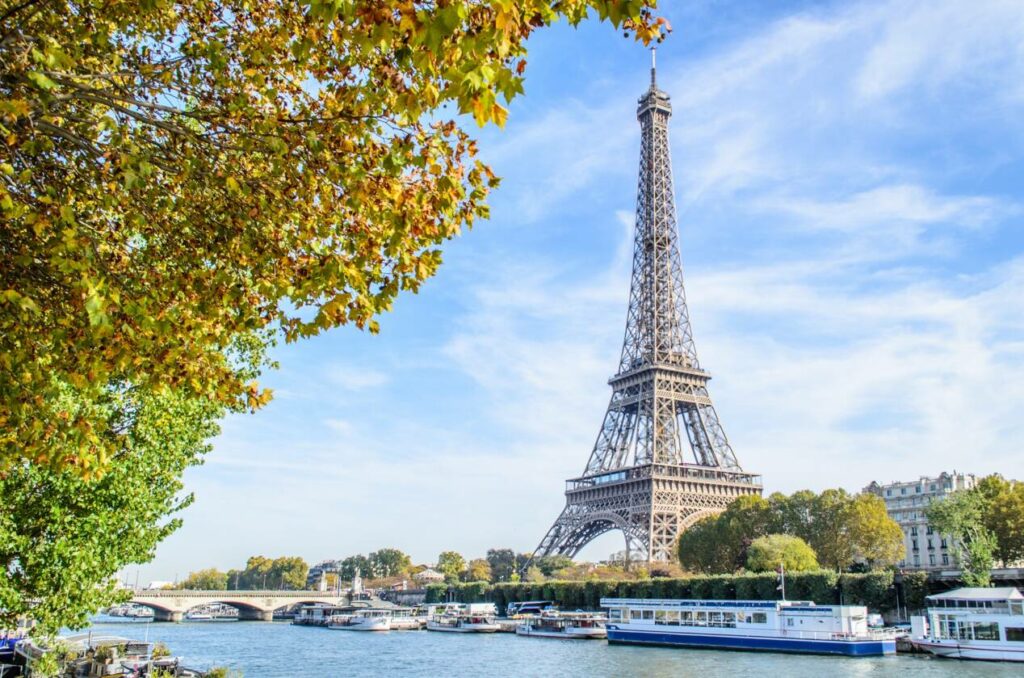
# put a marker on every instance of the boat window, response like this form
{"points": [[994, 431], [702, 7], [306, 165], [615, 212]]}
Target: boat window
{"points": [[760, 617], [700, 618], [1016, 607], [659, 617], [635, 614], [648, 614], [789, 622], [1015, 635], [986, 630], [729, 620], [672, 617], [686, 618]]}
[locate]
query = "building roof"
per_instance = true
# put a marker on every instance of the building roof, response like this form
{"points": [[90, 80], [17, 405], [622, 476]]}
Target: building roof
{"points": [[428, 574], [1004, 593]]}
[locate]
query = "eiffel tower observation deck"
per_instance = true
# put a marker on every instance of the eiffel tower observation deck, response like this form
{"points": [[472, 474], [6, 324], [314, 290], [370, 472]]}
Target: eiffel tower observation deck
{"points": [[661, 461]]}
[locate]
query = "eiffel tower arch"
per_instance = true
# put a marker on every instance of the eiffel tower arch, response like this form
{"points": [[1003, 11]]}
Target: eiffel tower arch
{"points": [[662, 460]]}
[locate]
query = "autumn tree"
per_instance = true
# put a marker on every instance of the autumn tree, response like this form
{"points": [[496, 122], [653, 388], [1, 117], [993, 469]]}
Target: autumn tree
{"points": [[388, 562], [478, 569], [451, 564], [772, 551], [173, 174], [1003, 516], [840, 528], [210, 579]]}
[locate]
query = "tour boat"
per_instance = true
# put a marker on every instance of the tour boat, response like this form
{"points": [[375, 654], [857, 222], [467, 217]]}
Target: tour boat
{"points": [[474, 618], [364, 620], [572, 625], [778, 626], [405, 619], [973, 623]]}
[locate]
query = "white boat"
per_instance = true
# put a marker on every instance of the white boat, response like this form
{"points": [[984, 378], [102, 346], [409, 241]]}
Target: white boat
{"points": [[774, 626], [198, 616], [973, 623], [364, 620], [570, 626], [474, 618]]}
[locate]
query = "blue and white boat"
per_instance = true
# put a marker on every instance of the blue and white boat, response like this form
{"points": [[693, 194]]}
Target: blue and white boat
{"points": [[773, 626]]}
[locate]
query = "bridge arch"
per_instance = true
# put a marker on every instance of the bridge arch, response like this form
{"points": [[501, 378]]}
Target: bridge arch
{"points": [[596, 525]]}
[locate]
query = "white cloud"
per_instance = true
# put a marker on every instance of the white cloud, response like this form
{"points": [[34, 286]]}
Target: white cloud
{"points": [[355, 377]]}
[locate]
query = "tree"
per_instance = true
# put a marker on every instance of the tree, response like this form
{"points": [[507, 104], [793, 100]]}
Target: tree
{"points": [[534, 575], [877, 538], [768, 553], [451, 564], [174, 174], [389, 562], [63, 537], [210, 579], [349, 567], [478, 569], [841, 529], [289, 573], [550, 564], [705, 548], [1004, 516], [503, 564], [962, 516]]}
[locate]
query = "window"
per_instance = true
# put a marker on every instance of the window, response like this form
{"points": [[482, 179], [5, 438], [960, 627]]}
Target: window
{"points": [[760, 617], [944, 543], [903, 490], [672, 617], [888, 493], [700, 618], [648, 615], [914, 543], [614, 614], [1015, 635], [945, 559], [932, 487], [917, 561], [918, 489], [635, 614], [659, 617], [789, 622], [930, 530], [931, 546], [913, 532], [686, 618], [985, 630], [931, 558]]}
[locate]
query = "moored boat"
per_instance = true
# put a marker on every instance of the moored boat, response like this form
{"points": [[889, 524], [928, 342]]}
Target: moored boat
{"points": [[474, 618], [364, 620], [774, 626], [565, 625], [973, 623]]}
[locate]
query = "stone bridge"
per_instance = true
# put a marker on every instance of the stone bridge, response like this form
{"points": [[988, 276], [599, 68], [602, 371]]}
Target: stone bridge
{"points": [[171, 605]]}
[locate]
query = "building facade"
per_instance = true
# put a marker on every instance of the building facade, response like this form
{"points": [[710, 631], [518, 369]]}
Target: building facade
{"points": [[906, 503]]}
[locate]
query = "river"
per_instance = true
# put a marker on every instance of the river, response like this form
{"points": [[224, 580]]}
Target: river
{"points": [[279, 650]]}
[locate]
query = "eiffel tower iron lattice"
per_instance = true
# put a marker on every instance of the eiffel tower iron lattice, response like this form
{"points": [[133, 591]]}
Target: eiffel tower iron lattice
{"points": [[640, 478]]}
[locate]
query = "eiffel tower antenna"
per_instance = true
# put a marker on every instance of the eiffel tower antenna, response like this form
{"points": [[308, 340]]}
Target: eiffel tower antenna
{"points": [[661, 461]]}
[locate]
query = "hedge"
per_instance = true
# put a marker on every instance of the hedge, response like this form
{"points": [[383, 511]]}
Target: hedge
{"points": [[873, 589]]}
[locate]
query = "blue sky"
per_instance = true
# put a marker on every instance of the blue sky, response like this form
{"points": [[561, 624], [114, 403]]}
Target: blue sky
{"points": [[852, 225]]}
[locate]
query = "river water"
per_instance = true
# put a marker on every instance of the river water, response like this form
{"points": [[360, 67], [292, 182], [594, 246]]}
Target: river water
{"points": [[279, 650]]}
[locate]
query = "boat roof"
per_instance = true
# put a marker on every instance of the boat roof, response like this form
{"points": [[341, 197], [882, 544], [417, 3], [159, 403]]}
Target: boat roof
{"points": [[967, 593]]}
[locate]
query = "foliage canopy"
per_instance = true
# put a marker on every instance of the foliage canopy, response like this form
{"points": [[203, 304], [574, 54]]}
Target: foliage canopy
{"points": [[771, 551], [174, 174], [840, 529]]}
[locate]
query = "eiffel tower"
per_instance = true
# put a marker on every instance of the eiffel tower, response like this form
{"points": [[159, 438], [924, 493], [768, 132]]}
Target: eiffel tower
{"points": [[661, 461]]}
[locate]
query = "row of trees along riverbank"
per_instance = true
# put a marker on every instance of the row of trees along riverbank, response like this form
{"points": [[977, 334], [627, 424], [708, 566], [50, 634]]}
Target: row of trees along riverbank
{"points": [[877, 590]]}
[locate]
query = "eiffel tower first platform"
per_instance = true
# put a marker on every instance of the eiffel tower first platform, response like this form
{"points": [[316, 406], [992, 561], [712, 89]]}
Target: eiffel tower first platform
{"points": [[661, 461]]}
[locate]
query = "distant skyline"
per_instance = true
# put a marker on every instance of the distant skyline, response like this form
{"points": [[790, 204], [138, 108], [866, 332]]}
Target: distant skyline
{"points": [[848, 178]]}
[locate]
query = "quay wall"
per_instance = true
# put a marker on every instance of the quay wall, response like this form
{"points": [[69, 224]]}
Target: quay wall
{"points": [[878, 590]]}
